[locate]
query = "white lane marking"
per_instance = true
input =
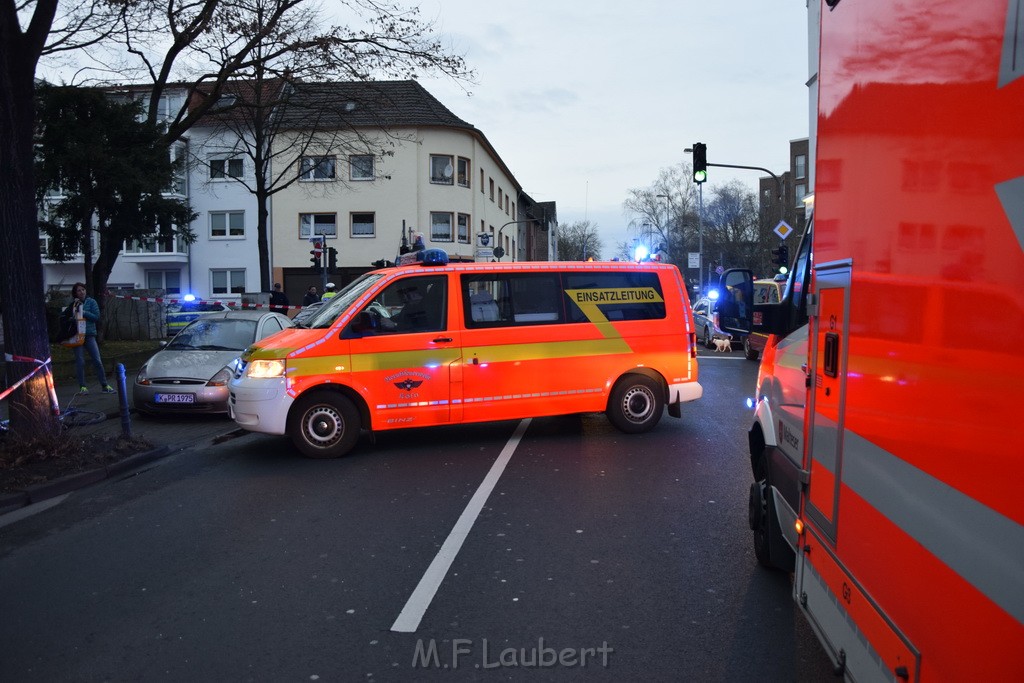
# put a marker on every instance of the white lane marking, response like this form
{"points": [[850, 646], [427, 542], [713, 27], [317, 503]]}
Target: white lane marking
{"points": [[415, 607]]}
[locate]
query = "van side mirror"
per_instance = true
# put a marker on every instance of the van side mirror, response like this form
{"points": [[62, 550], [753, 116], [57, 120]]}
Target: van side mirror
{"points": [[363, 324]]}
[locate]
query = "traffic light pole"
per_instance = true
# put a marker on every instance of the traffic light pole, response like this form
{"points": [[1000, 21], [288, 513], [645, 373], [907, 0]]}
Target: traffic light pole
{"points": [[778, 180]]}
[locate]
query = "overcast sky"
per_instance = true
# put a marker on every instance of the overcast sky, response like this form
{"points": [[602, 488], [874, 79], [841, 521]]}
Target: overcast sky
{"points": [[587, 100]]}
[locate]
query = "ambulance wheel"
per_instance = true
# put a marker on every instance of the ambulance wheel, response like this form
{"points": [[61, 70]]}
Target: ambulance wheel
{"points": [[708, 342], [636, 404], [324, 424], [770, 548]]}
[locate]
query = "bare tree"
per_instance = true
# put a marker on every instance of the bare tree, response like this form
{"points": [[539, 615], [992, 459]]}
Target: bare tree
{"points": [[665, 213], [25, 29], [579, 241], [279, 85], [732, 229]]}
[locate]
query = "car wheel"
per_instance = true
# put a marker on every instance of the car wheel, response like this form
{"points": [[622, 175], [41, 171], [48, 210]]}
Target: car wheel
{"points": [[636, 404], [708, 342], [324, 424], [748, 351]]}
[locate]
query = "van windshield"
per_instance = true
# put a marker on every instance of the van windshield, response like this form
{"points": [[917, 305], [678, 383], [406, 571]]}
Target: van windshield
{"points": [[326, 316]]}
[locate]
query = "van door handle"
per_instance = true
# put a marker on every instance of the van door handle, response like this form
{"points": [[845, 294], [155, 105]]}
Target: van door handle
{"points": [[442, 340]]}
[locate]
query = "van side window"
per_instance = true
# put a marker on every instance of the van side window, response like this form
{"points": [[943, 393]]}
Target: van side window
{"points": [[622, 295], [503, 299], [415, 304]]}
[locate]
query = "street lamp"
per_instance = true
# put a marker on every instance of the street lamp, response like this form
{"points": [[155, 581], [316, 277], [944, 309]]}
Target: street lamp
{"points": [[498, 245]]}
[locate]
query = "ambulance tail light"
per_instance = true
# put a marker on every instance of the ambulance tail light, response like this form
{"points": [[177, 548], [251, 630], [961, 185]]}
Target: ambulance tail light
{"points": [[799, 526], [693, 344]]}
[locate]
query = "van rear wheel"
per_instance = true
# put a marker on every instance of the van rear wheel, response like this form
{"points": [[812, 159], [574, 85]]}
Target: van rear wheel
{"points": [[636, 404], [324, 425]]}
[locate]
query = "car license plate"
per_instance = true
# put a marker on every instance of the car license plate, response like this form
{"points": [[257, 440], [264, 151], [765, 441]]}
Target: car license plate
{"points": [[175, 398]]}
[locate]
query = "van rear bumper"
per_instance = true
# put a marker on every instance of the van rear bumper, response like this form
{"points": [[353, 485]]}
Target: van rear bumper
{"points": [[682, 393]]}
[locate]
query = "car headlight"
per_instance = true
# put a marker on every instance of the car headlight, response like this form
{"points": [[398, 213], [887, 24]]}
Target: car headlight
{"points": [[221, 378], [143, 376], [265, 369]]}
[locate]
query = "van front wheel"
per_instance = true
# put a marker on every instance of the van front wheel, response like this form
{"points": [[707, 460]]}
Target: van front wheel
{"points": [[636, 404], [324, 425]]}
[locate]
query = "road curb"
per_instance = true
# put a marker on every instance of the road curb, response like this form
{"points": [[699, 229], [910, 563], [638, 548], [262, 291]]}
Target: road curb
{"points": [[10, 502]]}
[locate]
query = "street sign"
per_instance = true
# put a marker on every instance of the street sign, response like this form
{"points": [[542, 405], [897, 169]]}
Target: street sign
{"points": [[783, 229], [694, 259]]}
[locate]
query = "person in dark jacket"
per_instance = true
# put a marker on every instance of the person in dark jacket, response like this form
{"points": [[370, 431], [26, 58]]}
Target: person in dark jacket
{"points": [[312, 296], [87, 308], [278, 300]]}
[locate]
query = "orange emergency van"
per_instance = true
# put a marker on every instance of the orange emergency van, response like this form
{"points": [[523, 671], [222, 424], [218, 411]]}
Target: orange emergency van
{"points": [[435, 343]]}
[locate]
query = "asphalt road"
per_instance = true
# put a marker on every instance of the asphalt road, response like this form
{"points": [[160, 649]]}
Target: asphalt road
{"points": [[594, 555]]}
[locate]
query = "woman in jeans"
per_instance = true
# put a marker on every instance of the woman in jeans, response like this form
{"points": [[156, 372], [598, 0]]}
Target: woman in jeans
{"points": [[86, 307]]}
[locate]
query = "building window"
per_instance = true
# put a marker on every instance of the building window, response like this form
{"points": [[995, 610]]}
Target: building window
{"points": [[360, 167], [800, 166], [363, 225], [499, 199], [506, 205], [463, 171], [464, 228], [801, 192], [156, 244], [491, 185], [227, 224], [440, 226], [318, 225], [167, 280], [227, 281], [179, 178], [441, 169], [481, 181], [317, 168], [221, 169], [513, 211]]}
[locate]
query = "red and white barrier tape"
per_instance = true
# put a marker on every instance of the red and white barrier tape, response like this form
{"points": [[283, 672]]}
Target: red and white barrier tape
{"points": [[40, 365]]}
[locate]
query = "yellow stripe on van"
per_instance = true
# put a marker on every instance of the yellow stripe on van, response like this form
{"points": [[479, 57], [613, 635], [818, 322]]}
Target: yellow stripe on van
{"points": [[590, 301], [396, 360], [549, 350]]}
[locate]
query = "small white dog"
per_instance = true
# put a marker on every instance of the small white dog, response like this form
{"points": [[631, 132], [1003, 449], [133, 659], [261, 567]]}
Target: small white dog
{"points": [[723, 344]]}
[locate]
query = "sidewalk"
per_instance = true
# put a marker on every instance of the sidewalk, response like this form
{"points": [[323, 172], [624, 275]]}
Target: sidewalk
{"points": [[167, 434]]}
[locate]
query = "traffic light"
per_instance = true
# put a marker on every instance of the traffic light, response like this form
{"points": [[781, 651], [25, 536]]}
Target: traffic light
{"points": [[700, 162], [780, 255], [315, 256], [332, 258]]}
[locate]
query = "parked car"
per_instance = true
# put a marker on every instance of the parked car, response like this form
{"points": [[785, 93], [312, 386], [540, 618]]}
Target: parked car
{"points": [[705, 320], [190, 374], [765, 292], [182, 313]]}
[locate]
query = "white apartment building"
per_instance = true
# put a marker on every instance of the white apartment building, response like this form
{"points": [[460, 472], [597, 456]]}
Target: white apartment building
{"points": [[374, 163]]}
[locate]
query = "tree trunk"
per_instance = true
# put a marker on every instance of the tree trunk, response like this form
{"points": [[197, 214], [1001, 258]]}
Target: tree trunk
{"points": [[21, 281]]}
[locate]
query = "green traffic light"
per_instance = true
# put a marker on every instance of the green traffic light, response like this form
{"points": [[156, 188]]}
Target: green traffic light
{"points": [[700, 176]]}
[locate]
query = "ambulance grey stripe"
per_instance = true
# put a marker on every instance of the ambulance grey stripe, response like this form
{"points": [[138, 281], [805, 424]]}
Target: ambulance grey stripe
{"points": [[1011, 194], [1011, 66], [981, 545]]}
